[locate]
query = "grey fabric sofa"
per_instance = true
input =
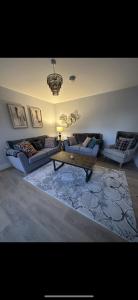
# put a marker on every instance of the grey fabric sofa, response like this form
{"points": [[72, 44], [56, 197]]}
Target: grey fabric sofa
{"points": [[80, 137], [122, 156], [21, 162]]}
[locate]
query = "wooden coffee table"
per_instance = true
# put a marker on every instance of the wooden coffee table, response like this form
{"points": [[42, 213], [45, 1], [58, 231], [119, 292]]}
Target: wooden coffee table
{"points": [[82, 161]]}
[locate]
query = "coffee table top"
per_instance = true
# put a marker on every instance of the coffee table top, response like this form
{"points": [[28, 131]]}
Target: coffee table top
{"points": [[82, 161]]}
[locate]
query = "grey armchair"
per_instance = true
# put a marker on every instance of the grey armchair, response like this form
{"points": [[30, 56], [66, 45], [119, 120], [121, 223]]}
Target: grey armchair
{"points": [[119, 155]]}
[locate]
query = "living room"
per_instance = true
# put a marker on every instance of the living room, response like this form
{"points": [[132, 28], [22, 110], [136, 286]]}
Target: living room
{"points": [[96, 102]]}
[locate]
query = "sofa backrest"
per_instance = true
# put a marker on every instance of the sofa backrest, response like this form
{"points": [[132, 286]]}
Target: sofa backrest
{"points": [[127, 134], [32, 139], [80, 137]]}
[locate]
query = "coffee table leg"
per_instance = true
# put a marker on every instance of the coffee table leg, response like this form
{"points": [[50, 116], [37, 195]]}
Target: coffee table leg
{"points": [[56, 168], [88, 174]]}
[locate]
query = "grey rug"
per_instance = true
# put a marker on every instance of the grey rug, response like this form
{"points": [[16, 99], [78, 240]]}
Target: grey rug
{"points": [[105, 199]]}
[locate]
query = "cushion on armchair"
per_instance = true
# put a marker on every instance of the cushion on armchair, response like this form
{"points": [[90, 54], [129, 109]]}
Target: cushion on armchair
{"points": [[125, 143], [131, 144], [122, 144]]}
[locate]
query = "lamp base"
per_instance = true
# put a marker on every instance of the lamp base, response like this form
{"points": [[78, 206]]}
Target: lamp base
{"points": [[59, 136]]}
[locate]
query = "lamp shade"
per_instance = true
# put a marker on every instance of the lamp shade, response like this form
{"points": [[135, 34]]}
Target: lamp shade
{"points": [[59, 129]]}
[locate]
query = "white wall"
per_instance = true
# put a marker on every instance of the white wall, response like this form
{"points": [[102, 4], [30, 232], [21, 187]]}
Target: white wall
{"points": [[105, 113], [7, 132]]}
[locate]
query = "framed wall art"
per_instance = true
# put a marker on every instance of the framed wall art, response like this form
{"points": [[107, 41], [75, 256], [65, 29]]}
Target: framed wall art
{"points": [[36, 116], [18, 115]]}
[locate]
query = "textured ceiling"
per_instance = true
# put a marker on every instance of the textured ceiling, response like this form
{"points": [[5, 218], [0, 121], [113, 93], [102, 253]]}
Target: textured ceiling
{"points": [[93, 76]]}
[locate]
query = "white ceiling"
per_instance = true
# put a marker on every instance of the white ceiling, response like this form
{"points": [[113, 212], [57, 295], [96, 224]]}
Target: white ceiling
{"points": [[93, 76]]}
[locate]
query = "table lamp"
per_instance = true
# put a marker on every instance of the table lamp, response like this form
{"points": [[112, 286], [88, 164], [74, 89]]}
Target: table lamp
{"points": [[59, 130]]}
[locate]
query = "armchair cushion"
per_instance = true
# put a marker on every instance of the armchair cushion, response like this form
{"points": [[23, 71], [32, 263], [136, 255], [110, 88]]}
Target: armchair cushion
{"points": [[114, 152]]}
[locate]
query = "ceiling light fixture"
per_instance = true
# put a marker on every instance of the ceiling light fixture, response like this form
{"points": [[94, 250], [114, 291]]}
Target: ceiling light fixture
{"points": [[54, 80]]}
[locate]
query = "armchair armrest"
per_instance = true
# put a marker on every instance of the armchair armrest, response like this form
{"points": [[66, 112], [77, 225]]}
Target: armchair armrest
{"points": [[130, 152], [110, 146]]}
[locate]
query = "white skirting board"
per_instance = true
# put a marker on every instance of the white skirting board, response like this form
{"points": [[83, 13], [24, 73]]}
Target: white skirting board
{"points": [[4, 166]]}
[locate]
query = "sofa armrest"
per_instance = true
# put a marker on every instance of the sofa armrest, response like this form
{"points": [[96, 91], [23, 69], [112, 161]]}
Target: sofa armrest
{"points": [[95, 150], [23, 158]]}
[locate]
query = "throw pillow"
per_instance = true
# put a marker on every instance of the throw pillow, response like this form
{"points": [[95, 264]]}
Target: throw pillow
{"points": [[86, 141], [26, 147], [122, 145], [72, 140], [131, 142], [92, 143], [38, 145], [50, 142]]}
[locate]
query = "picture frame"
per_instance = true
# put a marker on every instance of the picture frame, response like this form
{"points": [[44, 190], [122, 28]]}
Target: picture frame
{"points": [[36, 116], [18, 115]]}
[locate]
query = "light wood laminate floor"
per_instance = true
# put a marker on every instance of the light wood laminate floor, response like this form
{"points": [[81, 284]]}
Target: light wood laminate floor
{"points": [[30, 215]]}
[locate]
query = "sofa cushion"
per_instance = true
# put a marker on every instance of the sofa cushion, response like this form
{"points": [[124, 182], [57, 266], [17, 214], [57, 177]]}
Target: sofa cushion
{"points": [[42, 154], [14, 142], [26, 147], [86, 141], [89, 151], [84, 150], [72, 140], [38, 144], [92, 143], [74, 148], [80, 137], [50, 142]]}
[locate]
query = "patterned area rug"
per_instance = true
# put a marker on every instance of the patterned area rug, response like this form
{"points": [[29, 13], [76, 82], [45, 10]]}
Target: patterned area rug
{"points": [[105, 199]]}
